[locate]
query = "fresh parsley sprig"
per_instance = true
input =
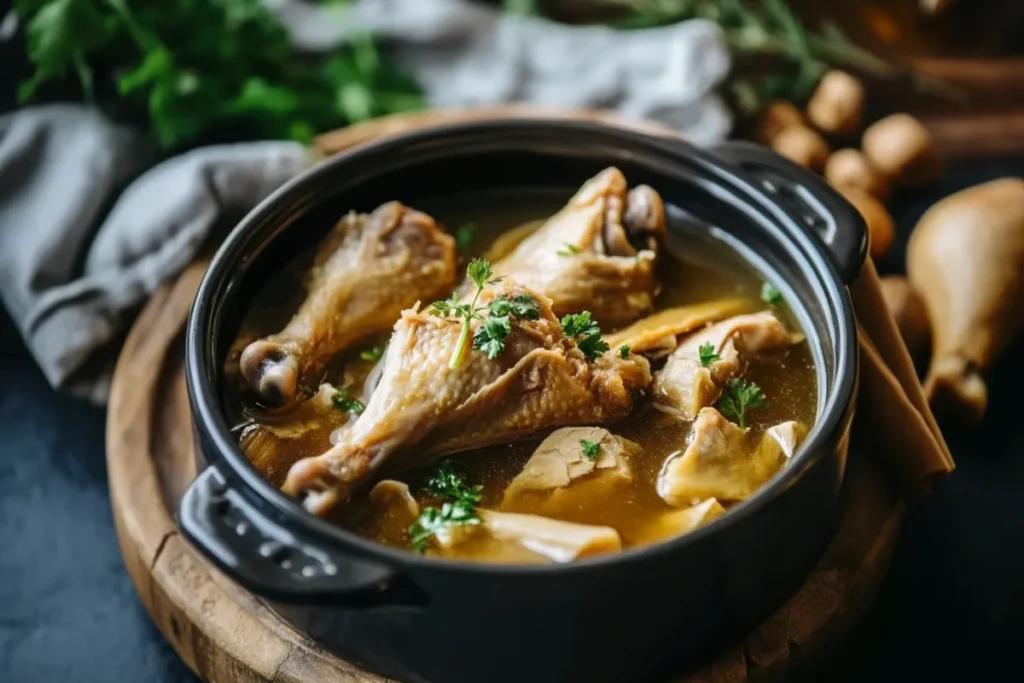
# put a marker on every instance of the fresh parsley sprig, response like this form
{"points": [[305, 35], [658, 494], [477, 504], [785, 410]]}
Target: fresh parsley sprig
{"points": [[580, 328], [372, 355], [193, 71], [433, 520], [738, 397], [459, 498], [464, 235], [490, 336], [591, 449], [446, 483], [624, 351], [708, 355], [771, 295], [342, 401]]}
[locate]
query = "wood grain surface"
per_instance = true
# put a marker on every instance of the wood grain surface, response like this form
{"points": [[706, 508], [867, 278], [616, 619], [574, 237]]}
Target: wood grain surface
{"points": [[227, 635]]}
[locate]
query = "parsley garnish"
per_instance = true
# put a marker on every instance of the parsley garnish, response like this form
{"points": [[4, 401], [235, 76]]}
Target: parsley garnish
{"points": [[568, 250], [586, 333], [479, 271], [771, 295], [342, 401], [372, 355], [432, 520], [490, 336], [196, 70], [738, 397], [457, 509], [591, 449], [708, 355], [624, 351], [464, 235], [445, 483]]}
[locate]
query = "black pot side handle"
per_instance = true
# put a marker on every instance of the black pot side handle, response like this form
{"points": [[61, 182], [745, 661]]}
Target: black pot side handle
{"points": [[268, 559], [819, 209]]}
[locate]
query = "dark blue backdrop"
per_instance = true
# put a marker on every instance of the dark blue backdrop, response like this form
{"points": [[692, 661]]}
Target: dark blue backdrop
{"points": [[952, 605]]}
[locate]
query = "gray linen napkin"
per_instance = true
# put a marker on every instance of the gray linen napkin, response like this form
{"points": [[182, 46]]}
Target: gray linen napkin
{"points": [[78, 254]]}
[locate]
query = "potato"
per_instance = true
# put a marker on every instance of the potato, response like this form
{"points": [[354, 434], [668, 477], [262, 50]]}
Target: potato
{"points": [[902, 148], [850, 168], [881, 230], [803, 146], [837, 103], [776, 117]]}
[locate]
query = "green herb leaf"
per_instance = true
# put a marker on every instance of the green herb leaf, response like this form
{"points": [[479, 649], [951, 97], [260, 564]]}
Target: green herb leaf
{"points": [[586, 333], [522, 306], [591, 449], [490, 336], [372, 355], [624, 351], [342, 401], [771, 295], [456, 510], [464, 235], [479, 271], [445, 483], [708, 355], [592, 345], [568, 250], [738, 397], [433, 521], [206, 70], [449, 307], [577, 324]]}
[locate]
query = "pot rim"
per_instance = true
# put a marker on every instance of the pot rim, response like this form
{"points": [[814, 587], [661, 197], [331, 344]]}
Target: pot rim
{"points": [[208, 418]]}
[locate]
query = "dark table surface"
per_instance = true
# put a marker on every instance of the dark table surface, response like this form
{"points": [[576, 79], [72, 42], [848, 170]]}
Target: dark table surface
{"points": [[951, 606]]}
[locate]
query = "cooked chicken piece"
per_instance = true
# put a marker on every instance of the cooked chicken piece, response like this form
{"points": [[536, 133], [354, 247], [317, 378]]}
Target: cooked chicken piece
{"points": [[679, 522], [721, 462], [560, 475], [391, 495], [510, 537], [658, 335], [267, 440], [423, 409], [687, 386], [365, 272], [596, 254], [392, 509]]}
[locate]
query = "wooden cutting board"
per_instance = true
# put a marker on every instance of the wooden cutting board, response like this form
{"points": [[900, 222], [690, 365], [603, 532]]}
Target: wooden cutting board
{"points": [[227, 635]]}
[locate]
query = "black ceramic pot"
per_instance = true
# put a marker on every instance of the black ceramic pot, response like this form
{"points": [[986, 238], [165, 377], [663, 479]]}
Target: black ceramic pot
{"points": [[632, 617]]}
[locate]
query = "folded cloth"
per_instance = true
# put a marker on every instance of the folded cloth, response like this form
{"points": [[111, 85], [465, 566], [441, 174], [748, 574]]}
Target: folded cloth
{"points": [[69, 287], [467, 54], [891, 409], [76, 259]]}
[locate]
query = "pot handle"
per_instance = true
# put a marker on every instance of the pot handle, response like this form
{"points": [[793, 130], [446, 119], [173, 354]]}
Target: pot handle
{"points": [[820, 211], [268, 559]]}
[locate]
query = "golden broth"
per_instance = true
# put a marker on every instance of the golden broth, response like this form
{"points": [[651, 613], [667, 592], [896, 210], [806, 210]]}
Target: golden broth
{"points": [[704, 271]]}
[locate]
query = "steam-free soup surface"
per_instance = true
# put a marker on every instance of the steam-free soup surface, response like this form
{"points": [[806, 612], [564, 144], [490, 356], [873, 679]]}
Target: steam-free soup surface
{"points": [[693, 269]]}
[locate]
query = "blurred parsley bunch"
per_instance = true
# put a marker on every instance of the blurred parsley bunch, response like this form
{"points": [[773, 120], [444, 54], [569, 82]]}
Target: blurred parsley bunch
{"points": [[205, 69]]}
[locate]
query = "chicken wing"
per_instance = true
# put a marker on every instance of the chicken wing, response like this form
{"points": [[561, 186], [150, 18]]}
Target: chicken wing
{"points": [[392, 258], [423, 408], [597, 253]]}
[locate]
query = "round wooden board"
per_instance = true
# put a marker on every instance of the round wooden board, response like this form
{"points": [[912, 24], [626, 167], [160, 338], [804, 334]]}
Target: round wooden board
{"points": [[227, 635]]}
